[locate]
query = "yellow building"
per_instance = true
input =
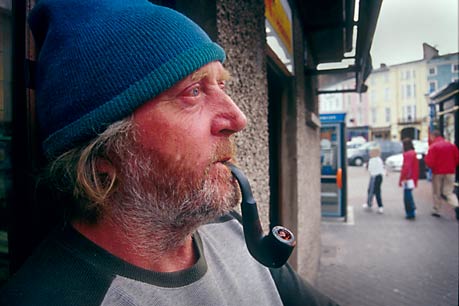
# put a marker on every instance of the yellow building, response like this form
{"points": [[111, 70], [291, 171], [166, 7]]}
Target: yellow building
{"points": [[381, 103], [397, 101]]}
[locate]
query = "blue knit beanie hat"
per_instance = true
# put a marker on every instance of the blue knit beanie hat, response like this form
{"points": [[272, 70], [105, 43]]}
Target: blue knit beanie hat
{"points": [[99, 60]]}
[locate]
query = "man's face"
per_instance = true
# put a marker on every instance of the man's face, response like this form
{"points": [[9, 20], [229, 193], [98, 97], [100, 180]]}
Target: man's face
{"points": [[191, 123], [182, 139]]}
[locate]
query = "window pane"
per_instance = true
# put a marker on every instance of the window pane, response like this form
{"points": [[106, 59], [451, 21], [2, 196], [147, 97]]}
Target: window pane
{"points": [[387, 114], [432, 87]]}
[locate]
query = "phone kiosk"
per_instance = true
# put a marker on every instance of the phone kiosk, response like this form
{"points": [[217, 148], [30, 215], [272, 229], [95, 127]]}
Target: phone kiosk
{"points": [[334, 165]]}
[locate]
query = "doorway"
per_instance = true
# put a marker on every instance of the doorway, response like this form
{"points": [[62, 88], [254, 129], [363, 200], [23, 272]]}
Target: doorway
{"points": [[410, 132], [275, 90], [282, 143]]}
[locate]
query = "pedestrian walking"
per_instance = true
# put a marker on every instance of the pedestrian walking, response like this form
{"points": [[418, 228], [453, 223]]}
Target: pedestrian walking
{"points": [[376, 170], [409, 176], [442, 158]]}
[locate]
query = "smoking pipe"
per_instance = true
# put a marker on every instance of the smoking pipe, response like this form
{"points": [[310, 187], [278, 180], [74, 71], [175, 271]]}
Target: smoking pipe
{"points": [[270, 250]]}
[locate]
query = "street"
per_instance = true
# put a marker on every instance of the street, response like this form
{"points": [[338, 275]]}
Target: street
{"points": [[384, 259]]}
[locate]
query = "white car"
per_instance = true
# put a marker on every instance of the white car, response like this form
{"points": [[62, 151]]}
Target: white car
{"points": [[352, 148], [395, 162], [421, 146]]}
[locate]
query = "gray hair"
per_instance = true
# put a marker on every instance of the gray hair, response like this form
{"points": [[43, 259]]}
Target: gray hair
{"points": [[75, 173]]}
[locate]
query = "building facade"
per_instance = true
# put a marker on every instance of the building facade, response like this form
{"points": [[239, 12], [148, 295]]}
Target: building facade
{"points": [[355, 105], [396, 103], [441, 71], [410, 88]]}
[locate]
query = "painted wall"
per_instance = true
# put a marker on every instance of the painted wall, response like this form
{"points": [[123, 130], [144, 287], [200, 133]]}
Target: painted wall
{"points": [[444, 73]]}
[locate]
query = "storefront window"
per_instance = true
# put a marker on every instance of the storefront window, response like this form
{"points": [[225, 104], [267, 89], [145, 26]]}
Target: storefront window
{"points": [[6, 43], [448, 127]]}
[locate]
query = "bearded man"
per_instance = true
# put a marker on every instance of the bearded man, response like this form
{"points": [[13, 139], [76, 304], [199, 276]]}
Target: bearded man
{"points": [[138, 127]]}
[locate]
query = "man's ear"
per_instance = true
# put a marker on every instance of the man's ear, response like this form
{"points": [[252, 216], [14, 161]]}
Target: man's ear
{"points": [[106, 171], [104, 166]]}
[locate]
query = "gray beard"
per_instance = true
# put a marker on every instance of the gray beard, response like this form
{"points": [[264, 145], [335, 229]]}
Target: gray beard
{"points": [[159, 205]]}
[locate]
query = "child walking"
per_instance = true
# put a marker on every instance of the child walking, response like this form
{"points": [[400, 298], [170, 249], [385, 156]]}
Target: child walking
{"points": [[409, 177], [376, 170]]}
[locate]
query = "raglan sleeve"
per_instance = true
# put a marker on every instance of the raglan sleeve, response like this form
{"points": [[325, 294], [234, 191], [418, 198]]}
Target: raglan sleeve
{"points": [[294, 291]]}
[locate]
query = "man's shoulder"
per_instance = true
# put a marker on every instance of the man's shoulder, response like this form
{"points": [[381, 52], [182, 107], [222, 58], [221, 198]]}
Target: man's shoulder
{"points": [[54, 275], [443, 145], [228, 225], [292, 289], [435, 146], [230, 216], [295, 291]]}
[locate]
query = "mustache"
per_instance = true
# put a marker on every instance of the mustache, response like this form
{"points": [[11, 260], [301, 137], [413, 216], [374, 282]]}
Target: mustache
{"points": [[224, 151]]}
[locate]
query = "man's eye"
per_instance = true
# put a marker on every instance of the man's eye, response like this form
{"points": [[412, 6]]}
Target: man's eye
{"points": [[194, 91]]}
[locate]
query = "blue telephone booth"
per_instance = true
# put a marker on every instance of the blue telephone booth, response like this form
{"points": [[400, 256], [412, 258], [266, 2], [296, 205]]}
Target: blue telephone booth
{"points": [[334, 165]]}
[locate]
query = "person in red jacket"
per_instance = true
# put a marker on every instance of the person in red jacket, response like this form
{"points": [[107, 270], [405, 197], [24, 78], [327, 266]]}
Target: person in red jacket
{"points": [[442, 158], [409, 177]]}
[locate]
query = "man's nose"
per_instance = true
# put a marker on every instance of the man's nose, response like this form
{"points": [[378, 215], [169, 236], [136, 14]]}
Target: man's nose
{"points": [[229, 118]]}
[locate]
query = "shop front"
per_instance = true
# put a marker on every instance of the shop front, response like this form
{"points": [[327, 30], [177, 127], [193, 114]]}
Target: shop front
{"points": [[445, 113]]}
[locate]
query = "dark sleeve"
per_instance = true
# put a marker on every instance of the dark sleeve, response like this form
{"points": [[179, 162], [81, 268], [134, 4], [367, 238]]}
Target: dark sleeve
{"points": [[54, 275], [293, 290]]}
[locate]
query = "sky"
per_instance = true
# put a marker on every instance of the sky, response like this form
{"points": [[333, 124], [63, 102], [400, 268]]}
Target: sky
{"points": [[403, 25]]}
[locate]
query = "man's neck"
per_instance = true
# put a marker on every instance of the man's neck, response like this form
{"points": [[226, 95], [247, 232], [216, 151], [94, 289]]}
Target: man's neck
{"points": [[113, 239]]}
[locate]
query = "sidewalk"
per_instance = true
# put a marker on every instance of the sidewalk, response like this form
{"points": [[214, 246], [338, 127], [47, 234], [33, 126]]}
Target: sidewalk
{"points": [[378, 260]]}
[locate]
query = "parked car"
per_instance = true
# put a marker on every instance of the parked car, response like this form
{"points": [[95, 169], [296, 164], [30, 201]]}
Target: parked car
{"points": [[421, 146], [353, 145], [395, 162], [359, 140], [361, 155], [351, 148]]}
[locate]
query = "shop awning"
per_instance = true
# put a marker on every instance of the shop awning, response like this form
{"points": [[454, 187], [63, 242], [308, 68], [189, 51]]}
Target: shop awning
{"points": [[340, 31], [445, 93], [380, 129]]}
